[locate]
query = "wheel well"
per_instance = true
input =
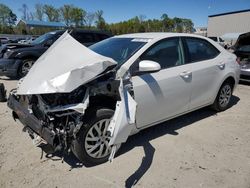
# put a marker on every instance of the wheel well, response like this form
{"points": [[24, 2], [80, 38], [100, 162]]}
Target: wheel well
{"points": [[230, 80], [29, 57], [102, 101]]}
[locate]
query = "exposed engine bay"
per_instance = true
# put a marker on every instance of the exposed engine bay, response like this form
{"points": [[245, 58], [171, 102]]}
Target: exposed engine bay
{"points": [[57, 107]]}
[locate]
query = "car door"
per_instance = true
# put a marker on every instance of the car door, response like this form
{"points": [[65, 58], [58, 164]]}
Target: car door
{"points": [[206, 70], [166, 93]]}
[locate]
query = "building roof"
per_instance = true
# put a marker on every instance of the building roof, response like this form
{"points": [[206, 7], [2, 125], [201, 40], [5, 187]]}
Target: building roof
{"points": [[42, 23], [226, 13]]}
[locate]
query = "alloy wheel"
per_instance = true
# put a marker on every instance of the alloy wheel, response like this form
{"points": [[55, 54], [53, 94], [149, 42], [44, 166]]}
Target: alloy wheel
{"points": [[96, 140], [26, 67], [225, 95]]}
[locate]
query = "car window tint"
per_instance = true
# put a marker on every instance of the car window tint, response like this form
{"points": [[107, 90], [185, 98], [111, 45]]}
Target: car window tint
{"points": [[102, 36], [199, 50], [84, 37], [167, 53], [213, 38]]}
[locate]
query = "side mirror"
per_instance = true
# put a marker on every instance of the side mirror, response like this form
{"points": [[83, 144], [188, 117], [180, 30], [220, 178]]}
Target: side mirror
{"points": [[149, 66]]}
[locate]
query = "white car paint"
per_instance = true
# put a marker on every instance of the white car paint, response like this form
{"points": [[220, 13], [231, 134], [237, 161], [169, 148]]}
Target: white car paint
{"points": [[80, 65], [159, 96]]}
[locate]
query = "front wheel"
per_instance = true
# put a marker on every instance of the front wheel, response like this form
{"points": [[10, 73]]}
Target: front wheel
{"points": [[25, 67], [91, 146], [223, 98]]}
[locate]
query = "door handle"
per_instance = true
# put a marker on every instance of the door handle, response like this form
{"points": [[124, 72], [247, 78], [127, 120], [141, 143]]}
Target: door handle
{"points": [[186, 74], [221, 66]]}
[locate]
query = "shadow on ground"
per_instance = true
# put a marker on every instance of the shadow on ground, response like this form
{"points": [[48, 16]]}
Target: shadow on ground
{"points": [[244, 83], [143, 138]]}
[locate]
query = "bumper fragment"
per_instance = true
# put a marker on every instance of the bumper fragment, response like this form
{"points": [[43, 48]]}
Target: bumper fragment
{"points": [[29, 121]]}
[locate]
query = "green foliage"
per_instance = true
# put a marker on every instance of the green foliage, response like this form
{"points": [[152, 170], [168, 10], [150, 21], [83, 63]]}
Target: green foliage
{"points": [[7, 19], [52, 13], [39, 13]]}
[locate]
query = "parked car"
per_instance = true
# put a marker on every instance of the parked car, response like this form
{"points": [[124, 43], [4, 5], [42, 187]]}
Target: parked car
{"points": [[220, 41], [92, 99], [242, 51], [4, 40], [17, 59]]}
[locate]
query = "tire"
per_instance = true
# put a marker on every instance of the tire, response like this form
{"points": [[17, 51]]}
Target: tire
{"points": [[81, 146], [2, 93], [25, 67], [223, 98]]}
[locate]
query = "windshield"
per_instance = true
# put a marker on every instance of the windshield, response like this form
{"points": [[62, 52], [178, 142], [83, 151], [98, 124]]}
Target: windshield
{"points": [[119, 49], [43, 38]]}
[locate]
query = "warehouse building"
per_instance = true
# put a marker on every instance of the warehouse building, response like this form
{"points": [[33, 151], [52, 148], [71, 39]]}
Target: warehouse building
{"points": [[231, 22]]}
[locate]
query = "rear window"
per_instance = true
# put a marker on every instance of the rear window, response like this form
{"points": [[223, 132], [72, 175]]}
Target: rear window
{"points": [[101, 36], [200, 50], [84, 37]]}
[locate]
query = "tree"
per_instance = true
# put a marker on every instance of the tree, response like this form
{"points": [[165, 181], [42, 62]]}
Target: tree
{"points": [[89, 19], [66, 13], [77, 16], [52, 13], [7, 19], [168, 23], [100, 22], [39, 12], [25, 11]]}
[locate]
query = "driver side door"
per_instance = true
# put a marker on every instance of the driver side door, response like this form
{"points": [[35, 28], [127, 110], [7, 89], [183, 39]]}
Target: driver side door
{"points": [[164, 94]]}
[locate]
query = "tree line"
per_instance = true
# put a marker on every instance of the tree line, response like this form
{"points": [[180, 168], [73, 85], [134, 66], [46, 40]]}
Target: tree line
{"points": [[77, 17]]}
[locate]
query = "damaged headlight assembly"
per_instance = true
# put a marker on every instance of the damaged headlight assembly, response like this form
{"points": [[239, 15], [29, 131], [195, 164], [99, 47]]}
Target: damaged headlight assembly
{"points": [[80, 106]]}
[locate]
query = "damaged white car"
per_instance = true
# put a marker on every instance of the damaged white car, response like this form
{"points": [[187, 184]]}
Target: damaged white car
{"points": [[89, 100]]}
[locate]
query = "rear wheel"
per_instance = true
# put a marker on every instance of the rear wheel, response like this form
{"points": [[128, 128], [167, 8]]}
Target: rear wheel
{"points": [[91, 145], [223, 98], [25, 67]]}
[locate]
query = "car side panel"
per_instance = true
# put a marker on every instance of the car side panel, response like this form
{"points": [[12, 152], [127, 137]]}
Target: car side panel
{"points": [[161, 95]]}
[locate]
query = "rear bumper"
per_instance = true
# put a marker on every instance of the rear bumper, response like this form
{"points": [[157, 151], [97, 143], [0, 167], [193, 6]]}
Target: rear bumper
{"points": [[245, 74], [9, 67], [30, 122]]}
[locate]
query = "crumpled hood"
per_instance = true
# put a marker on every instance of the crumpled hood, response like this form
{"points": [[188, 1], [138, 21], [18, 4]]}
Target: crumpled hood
{"points": [[66, 65]]}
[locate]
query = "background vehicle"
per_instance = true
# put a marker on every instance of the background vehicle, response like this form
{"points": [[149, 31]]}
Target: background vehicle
{"points": [[219, 41], [126, 78], [17, 59], [242, 51], [4, 40]]}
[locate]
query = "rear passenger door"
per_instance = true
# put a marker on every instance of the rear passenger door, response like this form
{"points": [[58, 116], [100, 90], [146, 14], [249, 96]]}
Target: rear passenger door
{"points": [[206, 70]]}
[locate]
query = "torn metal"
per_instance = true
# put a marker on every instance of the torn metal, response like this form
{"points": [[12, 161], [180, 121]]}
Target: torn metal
{"points": [[66, 65], [61, 90], [123, 120]]}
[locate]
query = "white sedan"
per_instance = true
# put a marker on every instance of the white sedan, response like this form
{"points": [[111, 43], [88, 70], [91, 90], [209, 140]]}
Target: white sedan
{"points": [[89, 100]]}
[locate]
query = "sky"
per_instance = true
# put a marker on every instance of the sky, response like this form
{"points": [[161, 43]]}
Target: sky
{"points": [[120, 10]]}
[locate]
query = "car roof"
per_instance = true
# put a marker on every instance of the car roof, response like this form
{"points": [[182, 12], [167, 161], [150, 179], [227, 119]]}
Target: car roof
{"points": [[157, 35]]}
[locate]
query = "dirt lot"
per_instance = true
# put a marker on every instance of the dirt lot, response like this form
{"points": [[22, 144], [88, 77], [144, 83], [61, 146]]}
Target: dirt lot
{"points": [[200, 149]]}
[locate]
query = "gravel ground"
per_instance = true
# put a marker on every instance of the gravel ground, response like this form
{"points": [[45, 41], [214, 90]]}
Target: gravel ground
{"points": [[200, 149]]}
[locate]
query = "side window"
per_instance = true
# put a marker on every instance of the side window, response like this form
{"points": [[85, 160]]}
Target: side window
{"points": [[168, 53], [213, 38], [199, 50], [84, 37], [101, 36]]}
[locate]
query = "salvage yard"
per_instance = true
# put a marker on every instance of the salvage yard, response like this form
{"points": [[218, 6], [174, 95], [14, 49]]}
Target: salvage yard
{"points": [[200, 149]]}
